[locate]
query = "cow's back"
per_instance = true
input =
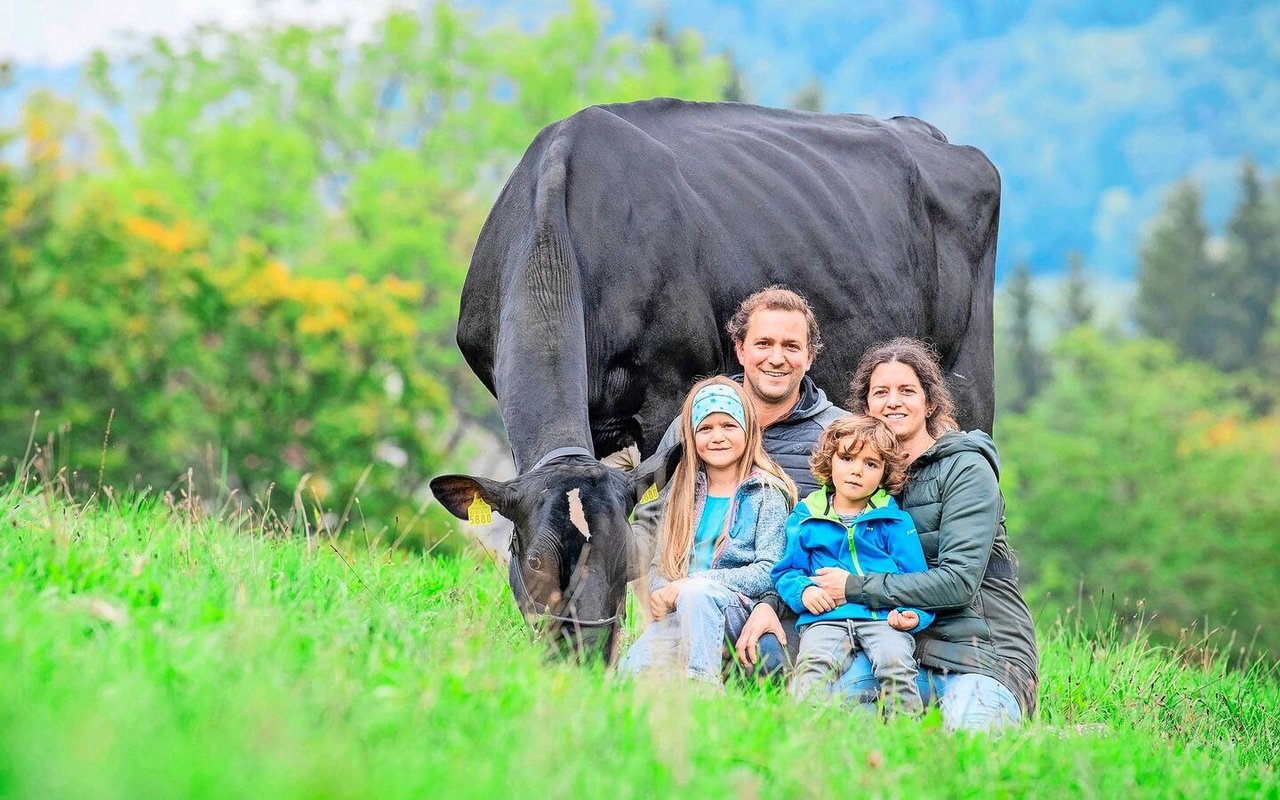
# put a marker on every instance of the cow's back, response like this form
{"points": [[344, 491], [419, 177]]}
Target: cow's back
{"points": [[676, 211]]}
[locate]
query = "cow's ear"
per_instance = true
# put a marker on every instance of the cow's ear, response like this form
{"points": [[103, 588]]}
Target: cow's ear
{"points": [[653, 473], [458, 492]]}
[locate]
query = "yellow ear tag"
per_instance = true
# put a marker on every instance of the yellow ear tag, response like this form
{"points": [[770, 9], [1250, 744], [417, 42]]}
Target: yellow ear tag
{"points": [[479, 512], [650, 494]]}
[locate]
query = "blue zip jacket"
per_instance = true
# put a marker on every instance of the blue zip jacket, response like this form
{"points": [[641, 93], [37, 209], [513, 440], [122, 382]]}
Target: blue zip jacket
{"points": [[885, 539]]}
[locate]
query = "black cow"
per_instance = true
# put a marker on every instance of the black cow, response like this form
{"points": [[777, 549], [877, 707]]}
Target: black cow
{"points": [[628, 234]]}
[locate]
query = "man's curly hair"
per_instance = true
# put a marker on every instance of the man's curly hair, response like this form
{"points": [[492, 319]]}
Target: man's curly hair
{"points": [[775, 298], [849, 435]]}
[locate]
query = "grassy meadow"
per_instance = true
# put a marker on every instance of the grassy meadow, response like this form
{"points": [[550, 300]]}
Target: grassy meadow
{"points": [[148, 651]]}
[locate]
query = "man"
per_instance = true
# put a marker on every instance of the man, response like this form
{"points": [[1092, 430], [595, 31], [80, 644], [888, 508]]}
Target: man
{"points": [[776, 339]]}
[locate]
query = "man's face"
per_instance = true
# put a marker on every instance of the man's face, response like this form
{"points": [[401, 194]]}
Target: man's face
{"points": [[775, 356]]}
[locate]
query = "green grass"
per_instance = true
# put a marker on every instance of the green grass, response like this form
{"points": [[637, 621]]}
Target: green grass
{"points": [[148, 654]]}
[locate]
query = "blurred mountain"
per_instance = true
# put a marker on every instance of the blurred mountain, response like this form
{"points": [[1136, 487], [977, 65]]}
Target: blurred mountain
{"points": [[1090, 109]]}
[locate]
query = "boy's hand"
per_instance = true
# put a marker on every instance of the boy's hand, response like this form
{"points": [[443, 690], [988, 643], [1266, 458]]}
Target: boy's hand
{"points": [[816, 600], [903, 620]]}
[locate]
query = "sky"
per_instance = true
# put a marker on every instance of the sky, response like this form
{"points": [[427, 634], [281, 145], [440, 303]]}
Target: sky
{"points": [[57, 33], [1092, 110]]}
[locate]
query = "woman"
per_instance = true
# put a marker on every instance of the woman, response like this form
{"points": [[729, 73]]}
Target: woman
{"points": [[979, 660], [980, 654]]}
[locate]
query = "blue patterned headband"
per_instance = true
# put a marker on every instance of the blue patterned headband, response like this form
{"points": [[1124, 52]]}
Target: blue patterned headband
{"points": [[717, 399]]}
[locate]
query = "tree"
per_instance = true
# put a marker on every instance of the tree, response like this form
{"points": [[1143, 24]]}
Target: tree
{"points": [[382, 159], [1174, 275], [809, 97], [1078, 307], [1251, 267], [735, 88], [1139, 474], [1028, 364]]}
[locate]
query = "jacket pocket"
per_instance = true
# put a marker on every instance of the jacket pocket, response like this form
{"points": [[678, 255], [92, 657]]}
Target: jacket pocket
{"points": [[964, 626]]}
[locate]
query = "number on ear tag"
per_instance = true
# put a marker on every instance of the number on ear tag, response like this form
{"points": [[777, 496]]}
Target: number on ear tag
{"points": [[650, 494], [479, 512]]}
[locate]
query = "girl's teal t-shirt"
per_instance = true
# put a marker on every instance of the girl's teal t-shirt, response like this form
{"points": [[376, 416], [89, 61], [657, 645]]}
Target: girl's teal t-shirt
{"points": [[714, 512]]}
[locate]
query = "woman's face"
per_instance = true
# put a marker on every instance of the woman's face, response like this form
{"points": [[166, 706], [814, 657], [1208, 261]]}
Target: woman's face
{"points": [[720, 440], [896, 396]]}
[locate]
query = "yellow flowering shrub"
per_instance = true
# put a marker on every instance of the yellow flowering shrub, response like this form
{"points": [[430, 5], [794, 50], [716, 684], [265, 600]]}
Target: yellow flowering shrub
{"points": [[258, 381]]}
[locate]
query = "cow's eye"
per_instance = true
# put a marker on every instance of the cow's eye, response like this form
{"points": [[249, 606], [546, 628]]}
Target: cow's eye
{"points": [[535, 562]]}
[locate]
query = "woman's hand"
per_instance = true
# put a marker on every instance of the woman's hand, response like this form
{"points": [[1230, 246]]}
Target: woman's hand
{"points": [[663, 601], [832, 581], [763, 620], [903, 620], [816, 600]]}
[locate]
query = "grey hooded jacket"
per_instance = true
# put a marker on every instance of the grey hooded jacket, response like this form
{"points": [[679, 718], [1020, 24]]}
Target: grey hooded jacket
{"points": [[983, 624]]}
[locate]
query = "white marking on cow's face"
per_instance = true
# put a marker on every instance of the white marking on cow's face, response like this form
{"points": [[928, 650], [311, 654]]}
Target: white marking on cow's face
{"points": [[576, 514]]}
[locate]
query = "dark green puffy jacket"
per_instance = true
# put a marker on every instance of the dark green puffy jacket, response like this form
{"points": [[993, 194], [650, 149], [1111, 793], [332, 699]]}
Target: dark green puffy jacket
{"points": [[983, 624]]}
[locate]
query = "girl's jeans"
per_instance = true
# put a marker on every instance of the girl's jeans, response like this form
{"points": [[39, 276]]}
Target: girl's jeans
{"points": [[691, 638]]}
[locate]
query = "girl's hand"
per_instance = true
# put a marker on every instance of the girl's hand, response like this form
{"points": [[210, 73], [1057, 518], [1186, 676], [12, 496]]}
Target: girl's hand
{"points": [[903, 620], [816, 600], [663, 601], [832, 581]]}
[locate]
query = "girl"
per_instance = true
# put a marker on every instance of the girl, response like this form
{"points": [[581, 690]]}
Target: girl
{"points": [[722, 531]]}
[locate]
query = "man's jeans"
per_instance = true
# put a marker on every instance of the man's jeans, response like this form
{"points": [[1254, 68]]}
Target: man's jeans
{"points": [[692, 637], [968, 701]]}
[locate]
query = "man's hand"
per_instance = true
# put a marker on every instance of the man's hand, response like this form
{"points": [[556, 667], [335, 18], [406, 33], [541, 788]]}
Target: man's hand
{"points": [[903, 620], [832, 581], [762, 620], [816, 600]]}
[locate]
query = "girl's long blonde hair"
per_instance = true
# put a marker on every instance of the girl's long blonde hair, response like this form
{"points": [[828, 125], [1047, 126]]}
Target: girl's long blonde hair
{"points": [[678, 523]]}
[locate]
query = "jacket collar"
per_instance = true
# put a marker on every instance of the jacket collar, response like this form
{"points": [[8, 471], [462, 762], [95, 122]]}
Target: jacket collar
{"points": [[812, 400], [879, 506]]}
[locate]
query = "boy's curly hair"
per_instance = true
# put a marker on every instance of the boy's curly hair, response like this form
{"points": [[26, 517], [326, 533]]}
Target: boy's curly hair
{"points": [[849, 435]]}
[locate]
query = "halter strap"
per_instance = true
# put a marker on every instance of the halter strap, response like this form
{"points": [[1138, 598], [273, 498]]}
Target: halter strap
{"points": [[562, 452]]}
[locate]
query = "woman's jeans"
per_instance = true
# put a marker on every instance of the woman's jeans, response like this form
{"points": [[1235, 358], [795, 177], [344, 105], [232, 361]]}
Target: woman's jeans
{"points": [[692, 637], [968, 701]]}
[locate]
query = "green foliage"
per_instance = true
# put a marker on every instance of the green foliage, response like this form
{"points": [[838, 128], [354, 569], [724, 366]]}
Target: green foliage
{"points": [[1138, 475], [421, 120], [122, 326], [259, 280], [382, 159], [149, 654]]}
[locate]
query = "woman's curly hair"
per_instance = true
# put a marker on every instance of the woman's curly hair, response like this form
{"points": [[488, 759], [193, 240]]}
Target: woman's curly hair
{"points": [[849, 435]]}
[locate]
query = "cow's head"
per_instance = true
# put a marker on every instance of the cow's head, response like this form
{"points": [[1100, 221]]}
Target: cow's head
{"points": [[572, 551]]}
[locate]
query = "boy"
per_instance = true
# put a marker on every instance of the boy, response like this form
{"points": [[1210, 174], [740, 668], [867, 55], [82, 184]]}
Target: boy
{"points": [[852, 523]]}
